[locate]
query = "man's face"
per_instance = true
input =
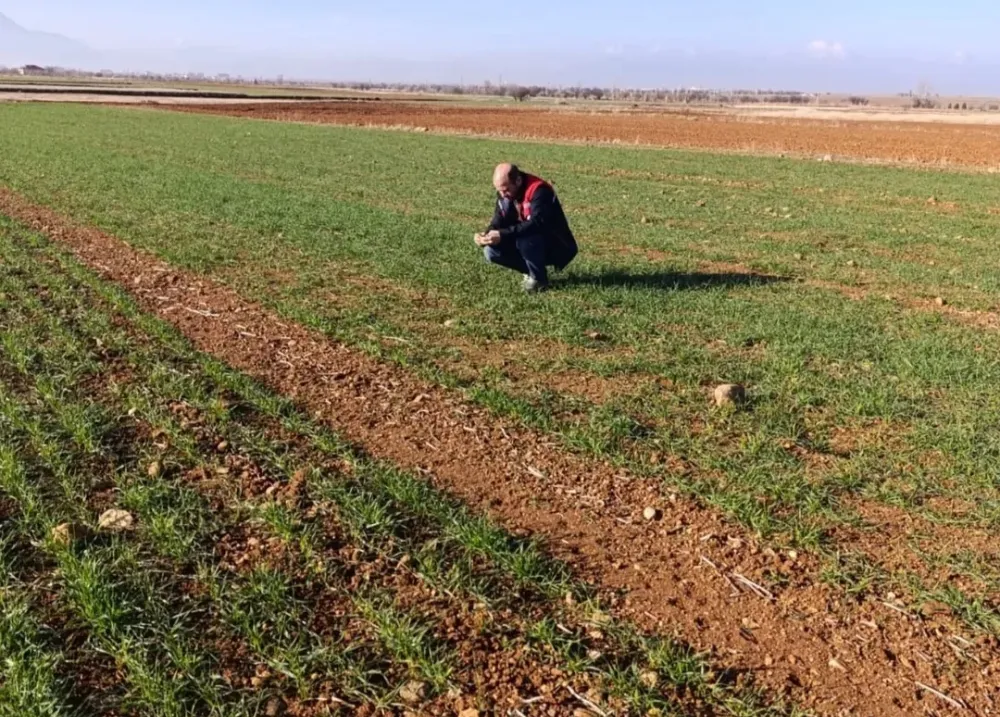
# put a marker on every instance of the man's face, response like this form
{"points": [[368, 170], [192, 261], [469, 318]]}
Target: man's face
{"points": [[506, 188]]}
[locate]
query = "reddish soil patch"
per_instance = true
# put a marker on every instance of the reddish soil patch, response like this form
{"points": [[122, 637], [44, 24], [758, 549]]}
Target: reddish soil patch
{"points": [[906, 142], [894, 538], [677, 574]]}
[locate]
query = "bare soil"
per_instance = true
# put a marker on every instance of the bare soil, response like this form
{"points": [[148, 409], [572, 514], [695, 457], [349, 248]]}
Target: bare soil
{"points": [[682, 573], [912, 142]]}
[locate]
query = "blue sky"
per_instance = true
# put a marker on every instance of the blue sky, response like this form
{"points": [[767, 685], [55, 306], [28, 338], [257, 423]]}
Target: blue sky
{"points": [[813, 36], [920, 27]]}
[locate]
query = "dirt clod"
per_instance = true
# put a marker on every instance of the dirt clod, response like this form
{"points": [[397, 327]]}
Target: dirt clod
{"points": [[115, 520], [69, 533], [413, 692], [729, 394], [651, 513], [275, 707], [154, 470], [940, 301]]}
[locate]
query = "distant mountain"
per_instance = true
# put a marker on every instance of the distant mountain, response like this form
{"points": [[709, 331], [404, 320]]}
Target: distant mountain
{"points": [[20, 46]]}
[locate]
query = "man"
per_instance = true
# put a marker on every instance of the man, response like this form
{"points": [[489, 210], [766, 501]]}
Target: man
{"points": [[529, 230]]}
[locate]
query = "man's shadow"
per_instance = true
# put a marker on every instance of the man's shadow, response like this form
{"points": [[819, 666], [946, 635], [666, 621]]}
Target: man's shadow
{"points": [[668, 280]]}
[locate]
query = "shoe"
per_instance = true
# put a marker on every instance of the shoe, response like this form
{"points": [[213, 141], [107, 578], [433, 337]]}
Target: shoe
{"points": [[533, 286]]}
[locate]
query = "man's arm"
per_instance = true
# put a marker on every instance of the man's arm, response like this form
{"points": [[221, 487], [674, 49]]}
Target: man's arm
{"points": [[541, 212], [504, 215]]}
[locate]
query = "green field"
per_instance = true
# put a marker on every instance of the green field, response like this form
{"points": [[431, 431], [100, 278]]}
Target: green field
{"points": [[99, 84], [811, 283], [268, 568]]}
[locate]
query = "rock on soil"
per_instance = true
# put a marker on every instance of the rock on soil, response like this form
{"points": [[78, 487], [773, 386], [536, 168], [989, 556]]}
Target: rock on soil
{"points": [[729, 394], [69, 533], [115, 520], [413, 692]]}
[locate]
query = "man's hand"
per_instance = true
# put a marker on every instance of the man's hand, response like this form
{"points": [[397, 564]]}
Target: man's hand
{"points": [[491, 238]]}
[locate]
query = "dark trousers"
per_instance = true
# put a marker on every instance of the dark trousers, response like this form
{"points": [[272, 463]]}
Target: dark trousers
{"points": [[530, 255]]}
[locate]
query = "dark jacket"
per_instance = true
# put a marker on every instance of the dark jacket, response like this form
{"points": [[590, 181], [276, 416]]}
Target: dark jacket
{"points": [[545, 217]]}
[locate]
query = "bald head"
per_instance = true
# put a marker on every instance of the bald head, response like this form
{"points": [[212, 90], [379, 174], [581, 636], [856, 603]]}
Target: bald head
{"points": [[507, 180]]}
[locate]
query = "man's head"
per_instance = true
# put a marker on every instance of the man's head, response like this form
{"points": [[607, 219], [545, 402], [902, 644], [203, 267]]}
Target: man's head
{"points": [[507, 180]]}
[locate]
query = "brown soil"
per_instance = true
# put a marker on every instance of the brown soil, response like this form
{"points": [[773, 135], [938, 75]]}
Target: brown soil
{"points": [[494, 668], [895, 539], [907, 142], [679, 573]]}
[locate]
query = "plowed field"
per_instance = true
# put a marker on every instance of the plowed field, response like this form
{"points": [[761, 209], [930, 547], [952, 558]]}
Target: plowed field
{"points": [[903, 142]]}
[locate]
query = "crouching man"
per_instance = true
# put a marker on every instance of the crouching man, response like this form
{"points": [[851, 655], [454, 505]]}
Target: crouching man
{"points": [[529, 230]]}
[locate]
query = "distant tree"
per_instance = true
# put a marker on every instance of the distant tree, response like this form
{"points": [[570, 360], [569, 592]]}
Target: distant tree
{"points": [[518, 93]]}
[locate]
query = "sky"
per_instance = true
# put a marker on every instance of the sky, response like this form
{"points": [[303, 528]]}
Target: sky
{"points": [[624, 41]]}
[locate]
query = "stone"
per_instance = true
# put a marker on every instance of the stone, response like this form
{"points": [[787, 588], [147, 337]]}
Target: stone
{"points": [[115, 520], [275, 707], [155, 468], [68, 533], [940, 301], [650, 679], [729, 394], [413, 692], [651, 513]]}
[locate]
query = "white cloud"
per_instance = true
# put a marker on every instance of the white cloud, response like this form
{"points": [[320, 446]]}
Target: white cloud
{"points": [[825, 49]]}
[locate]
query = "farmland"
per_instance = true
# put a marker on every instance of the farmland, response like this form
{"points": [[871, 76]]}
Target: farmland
{"points": [[963, 139], [363, 470]]}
